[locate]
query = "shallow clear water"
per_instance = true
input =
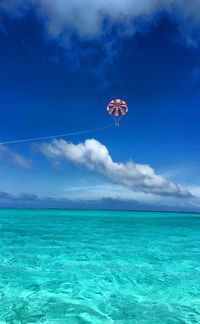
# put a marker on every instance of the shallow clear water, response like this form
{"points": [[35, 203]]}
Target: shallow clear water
{"points": [[99, 267]]}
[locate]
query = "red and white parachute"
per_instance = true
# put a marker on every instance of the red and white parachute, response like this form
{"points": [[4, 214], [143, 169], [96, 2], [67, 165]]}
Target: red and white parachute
{"points": [[117, 108]]}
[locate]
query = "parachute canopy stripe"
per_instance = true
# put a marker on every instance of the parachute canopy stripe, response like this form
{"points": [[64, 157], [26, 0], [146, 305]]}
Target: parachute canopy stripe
{"points": [[117, 107]]}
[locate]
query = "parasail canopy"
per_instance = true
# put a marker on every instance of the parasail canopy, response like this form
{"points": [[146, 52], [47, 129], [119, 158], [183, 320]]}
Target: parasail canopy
{"points": [[117, 108]]}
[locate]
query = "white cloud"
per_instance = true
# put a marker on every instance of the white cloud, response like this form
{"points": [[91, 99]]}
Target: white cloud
{"points": [[195, 191], [13, 157], [85, 17], [95, 156]]}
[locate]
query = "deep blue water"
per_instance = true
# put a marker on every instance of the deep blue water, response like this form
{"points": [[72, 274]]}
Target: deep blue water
{"points": [[60, 266]]}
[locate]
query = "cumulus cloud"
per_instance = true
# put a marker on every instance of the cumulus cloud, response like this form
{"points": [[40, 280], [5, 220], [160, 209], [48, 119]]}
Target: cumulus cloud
{"points": [[87, 18], [13, 157], [91, 34], [95, 156]]}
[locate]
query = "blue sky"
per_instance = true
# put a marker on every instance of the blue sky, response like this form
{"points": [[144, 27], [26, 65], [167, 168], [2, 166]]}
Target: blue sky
{"points": [[60, 66]]}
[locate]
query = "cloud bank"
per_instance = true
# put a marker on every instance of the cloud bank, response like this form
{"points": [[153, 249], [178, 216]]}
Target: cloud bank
{"points": [[114, 203], [95, 156]]}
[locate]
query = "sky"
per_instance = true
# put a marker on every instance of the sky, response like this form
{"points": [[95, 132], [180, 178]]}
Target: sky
{"points": [[61, 63]]}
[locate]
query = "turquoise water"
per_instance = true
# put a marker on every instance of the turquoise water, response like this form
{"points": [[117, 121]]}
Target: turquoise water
{"points": [[99, 267]]}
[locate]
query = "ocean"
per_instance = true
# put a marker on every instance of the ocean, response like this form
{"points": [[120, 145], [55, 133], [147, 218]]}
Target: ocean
{"points": [[78, 266]]}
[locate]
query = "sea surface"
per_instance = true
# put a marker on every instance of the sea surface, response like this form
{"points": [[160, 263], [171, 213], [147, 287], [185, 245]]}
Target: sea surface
{"points": [[77, 266]]}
